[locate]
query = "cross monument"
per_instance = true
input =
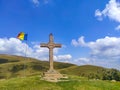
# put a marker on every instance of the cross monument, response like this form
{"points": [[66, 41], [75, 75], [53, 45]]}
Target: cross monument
{"points": [[51, 45], [51, 74]]}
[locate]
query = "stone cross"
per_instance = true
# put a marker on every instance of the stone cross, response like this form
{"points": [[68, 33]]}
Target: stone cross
{"points": [[51, 45]]}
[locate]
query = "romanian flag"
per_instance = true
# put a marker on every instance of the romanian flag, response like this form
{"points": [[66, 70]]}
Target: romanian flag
{"points": [[22, 36]]}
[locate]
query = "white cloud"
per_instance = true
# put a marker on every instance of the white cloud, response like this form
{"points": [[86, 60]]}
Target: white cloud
{"points": [[82, 61], [98, 14], [103, 51], [14, 46], [63, 58], [112, 10], [42, 2], [11, 46], [36, 2], [108, 46], [78, 42]]}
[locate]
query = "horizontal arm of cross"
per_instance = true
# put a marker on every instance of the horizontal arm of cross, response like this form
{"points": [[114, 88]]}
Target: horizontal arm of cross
{"points": [[58, 45], [43, 45]]}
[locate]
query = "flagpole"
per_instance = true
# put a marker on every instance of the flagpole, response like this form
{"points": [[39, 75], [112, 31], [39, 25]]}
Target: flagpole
{"points": [[23, 36], [25, 58]]}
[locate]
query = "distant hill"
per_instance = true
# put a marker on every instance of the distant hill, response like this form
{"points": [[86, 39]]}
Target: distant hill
{"points": [[17, 66], [83, 70], [93, 72]]}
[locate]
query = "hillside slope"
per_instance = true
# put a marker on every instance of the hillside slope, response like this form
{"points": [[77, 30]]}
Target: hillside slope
{"points": [[82, 70], [93, 72], [17, 66]]}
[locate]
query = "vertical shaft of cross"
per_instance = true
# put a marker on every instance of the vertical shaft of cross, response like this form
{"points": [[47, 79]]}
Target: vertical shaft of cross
{"points": [[51, 45], [51, 58]]}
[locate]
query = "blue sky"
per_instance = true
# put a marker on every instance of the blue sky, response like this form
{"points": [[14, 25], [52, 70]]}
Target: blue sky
{"points": [[88, 30]]}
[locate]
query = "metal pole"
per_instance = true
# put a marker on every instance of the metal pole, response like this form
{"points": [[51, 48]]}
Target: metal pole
{"points": [[25, 58]]}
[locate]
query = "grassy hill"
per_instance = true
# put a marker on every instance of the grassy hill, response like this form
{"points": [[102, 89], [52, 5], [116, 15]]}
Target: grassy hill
{"points": [[93, 72], [17, 66], [84, 70]]}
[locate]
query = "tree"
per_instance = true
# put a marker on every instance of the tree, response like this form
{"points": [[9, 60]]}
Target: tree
{"points": [[111, 74]]}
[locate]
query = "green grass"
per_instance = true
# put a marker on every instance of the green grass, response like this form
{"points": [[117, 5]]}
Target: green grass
{"points": [[75, 83]]}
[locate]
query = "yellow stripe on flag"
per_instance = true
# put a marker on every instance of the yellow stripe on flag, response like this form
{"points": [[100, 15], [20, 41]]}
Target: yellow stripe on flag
{"points": [[21, 35]]}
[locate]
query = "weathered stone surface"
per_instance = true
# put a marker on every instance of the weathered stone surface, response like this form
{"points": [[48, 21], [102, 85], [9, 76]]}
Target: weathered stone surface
{"points": [[52, 75]]}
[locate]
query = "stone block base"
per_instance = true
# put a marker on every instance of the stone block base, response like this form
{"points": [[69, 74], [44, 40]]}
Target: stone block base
{"points": [[52, 75]]}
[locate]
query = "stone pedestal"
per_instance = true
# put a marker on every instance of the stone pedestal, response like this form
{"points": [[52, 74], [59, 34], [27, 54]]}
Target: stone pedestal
{"points": [[52, 75]]}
